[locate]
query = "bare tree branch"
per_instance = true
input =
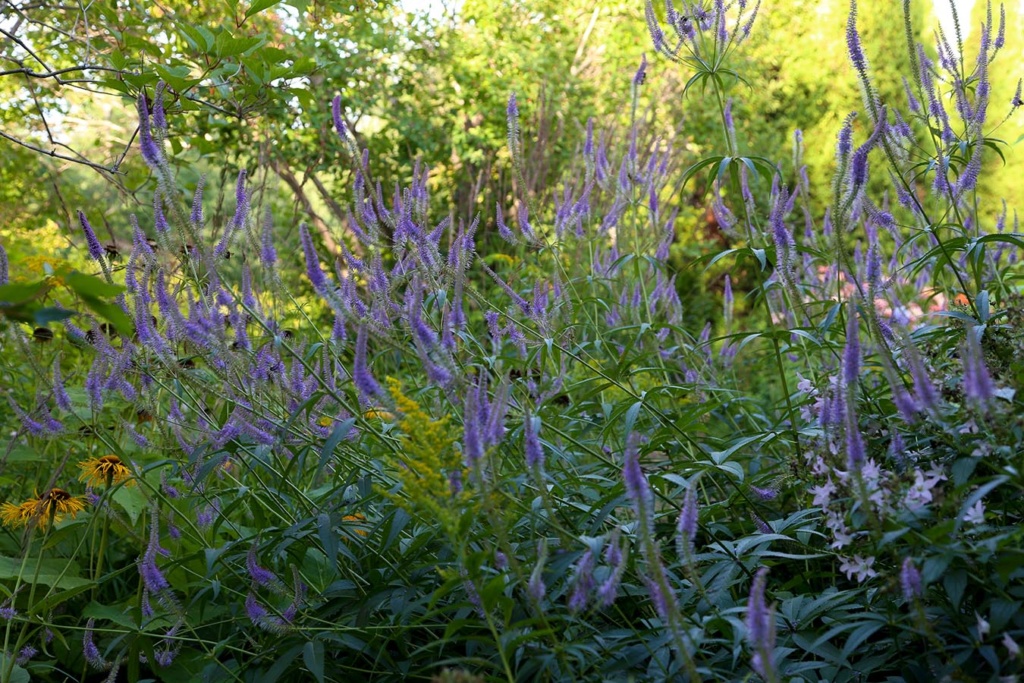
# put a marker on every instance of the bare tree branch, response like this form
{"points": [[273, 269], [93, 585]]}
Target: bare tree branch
{"points": [[55, 74], [299, 191], [53, 153]]}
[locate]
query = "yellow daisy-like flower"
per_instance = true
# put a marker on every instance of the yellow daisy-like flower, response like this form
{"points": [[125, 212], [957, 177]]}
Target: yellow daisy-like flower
{"points": [[325, 421], [106, 470], [51, 506]]}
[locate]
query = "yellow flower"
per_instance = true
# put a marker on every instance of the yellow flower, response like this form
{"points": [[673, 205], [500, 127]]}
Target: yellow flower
{"points": [[427, 464], [106, 470], [325, 421], [358, 521], [51, 506], [18, 515]]}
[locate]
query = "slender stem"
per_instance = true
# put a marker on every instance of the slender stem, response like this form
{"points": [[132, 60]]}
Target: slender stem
{"points": [[5, 675]]}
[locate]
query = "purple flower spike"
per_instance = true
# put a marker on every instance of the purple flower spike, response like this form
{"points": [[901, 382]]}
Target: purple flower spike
{"points": [[523, 218], [90, 651], [657, 35], [26, 654], [910, 581], [241, 201], [535, 588], [977, 380], [259, 575], [854, 443], [159, 117], [760, 626], [686, 528], [856, 52], [583, 583], [339, 124], [615, 556], [197, 203], [473, 436], [60, 394], [641, 72], [95, 248], [503, 229], [361, 376], [256, 612], [152, 578], [924, 391], [845, 143], [532, 445], [664, 603], [729, 124], [147, 145], [638, 489], [268, 254], [313, 270], [728, 300], [512, 114]]}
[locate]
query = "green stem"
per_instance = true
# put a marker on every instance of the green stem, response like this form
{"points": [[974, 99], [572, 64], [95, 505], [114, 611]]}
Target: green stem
{"points": [[5, 675]]}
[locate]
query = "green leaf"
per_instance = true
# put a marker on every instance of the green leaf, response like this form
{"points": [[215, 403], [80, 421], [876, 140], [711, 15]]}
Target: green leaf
{"points": [[197, 37], [229, 46], [11, 295], [328, 538], [259, 6], [51, 572], [132, 500], [115, 615], [49, 314], [45, 605], [339, 433], [111, 313], [280, 666], [177, 77], [90, 286], [955, 582], [18, 674], [313, 656]]}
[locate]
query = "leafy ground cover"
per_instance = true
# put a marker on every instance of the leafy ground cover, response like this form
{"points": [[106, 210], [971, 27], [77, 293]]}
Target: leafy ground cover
{"points": [[456, 458]]}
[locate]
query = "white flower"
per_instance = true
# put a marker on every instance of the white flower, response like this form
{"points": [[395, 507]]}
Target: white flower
{"points": [[983, 627], [823, 493], [859, 566], [1011, 645], [871, 472], [935, 475], [920, 494], [976, 513], [969, 427]]}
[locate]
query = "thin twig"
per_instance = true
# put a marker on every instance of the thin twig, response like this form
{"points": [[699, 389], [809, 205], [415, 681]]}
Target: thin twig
{"points": [[55, 74], [55, 155], [25, 47]]}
